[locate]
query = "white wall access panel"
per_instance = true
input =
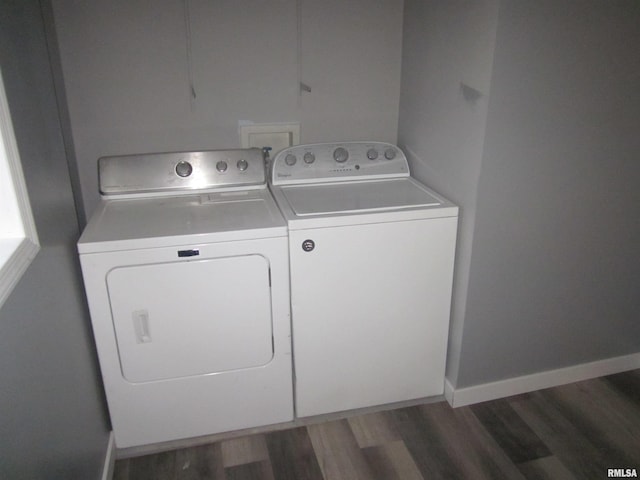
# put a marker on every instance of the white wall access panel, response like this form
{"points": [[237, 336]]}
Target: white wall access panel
{"points": [[370, 309], [278, 136]]}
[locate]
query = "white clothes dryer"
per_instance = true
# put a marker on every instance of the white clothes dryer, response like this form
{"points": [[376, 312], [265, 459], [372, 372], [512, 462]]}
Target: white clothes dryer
{"points": [[371, 261], [185, 265]]}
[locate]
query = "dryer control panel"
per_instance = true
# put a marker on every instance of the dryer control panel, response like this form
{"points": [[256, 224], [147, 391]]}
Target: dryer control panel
{"points": [[181, 172], [335, 162]]}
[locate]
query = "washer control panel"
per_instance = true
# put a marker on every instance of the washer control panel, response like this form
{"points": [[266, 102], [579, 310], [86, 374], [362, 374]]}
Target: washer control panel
{"points": [[334, 162], [181, 171]]}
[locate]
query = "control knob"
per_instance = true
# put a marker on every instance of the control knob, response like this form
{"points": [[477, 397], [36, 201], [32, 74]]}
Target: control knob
{"points": [[290, 159], [183, 169], [221, 166], [309, 157], [242, 165], [390, 154], [372, 154], [340, 155]]}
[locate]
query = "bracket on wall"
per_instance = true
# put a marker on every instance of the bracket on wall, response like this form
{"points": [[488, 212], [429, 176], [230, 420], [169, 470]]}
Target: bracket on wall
{"points": [[470, 94], [305, 88]]}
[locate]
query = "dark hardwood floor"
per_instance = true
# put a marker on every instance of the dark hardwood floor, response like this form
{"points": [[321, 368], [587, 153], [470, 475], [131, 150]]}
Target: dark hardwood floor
{"points": [[576, 431]]}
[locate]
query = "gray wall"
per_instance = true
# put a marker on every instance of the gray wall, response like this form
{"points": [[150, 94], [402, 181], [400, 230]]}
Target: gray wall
{"points": [[350, 53], [545, 167], [555, 272], [448, 44], [128, 80], [53, 418]]}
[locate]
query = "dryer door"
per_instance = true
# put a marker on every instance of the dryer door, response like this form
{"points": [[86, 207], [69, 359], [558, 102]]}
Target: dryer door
{"points": [[191, 318]]}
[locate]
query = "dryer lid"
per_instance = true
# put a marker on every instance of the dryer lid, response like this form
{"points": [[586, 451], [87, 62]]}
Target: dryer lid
{"points": [[162, 221], [358, 197]]}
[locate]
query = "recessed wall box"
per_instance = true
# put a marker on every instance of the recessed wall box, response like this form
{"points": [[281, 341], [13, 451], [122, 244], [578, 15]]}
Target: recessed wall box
{"points": [[275, 135]]}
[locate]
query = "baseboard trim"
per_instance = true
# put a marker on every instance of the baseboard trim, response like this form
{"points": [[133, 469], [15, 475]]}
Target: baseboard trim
{"points": [[109, 459], [552, 378], [448, 391]]}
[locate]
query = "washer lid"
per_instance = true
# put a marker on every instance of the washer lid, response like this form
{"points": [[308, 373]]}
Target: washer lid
{"points": [[360, 197]]}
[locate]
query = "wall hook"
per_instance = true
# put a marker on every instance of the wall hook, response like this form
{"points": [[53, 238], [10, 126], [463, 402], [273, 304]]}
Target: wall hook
{"points": [[305, 88]]}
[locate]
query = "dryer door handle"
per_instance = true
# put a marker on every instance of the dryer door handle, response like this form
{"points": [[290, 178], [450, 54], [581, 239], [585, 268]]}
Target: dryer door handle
{"points": [[141, 326]]}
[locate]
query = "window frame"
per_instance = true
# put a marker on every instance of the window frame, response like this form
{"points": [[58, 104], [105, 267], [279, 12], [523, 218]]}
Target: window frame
{"points": [[19, 242]]}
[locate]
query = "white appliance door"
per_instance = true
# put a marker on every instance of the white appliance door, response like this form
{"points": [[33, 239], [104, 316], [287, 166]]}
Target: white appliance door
{"points": [[370, 312], [190, 318]]}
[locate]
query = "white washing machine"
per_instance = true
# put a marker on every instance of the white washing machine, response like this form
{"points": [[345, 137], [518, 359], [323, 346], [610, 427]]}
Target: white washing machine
{"points": [[185, 264], [371, 261]]}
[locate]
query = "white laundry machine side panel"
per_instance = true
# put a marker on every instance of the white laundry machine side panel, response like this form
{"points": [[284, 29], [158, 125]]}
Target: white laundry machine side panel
{"points": [[206, 394], [370, 312]]}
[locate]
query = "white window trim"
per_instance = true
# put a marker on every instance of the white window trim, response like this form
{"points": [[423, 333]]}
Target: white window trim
{"points": [[18, 237]]}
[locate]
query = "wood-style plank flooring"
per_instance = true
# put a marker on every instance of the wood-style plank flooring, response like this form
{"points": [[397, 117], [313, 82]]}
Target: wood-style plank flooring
{"points": [[576, 431]]}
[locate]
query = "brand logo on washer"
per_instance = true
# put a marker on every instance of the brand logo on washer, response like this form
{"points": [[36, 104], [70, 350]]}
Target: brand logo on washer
{"points": [[308, 245]]}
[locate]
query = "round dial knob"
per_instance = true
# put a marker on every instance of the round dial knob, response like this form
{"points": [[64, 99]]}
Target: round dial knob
{"points": [[242, 165], [221, 166], [390, 154], [372, 154], [183, 169], [309, 157], [290, 159], [340, 155]]}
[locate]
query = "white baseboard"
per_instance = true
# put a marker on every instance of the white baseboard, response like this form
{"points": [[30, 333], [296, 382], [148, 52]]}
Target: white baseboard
{"points": [[458, 397], [448, 391], [109, 459]]}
